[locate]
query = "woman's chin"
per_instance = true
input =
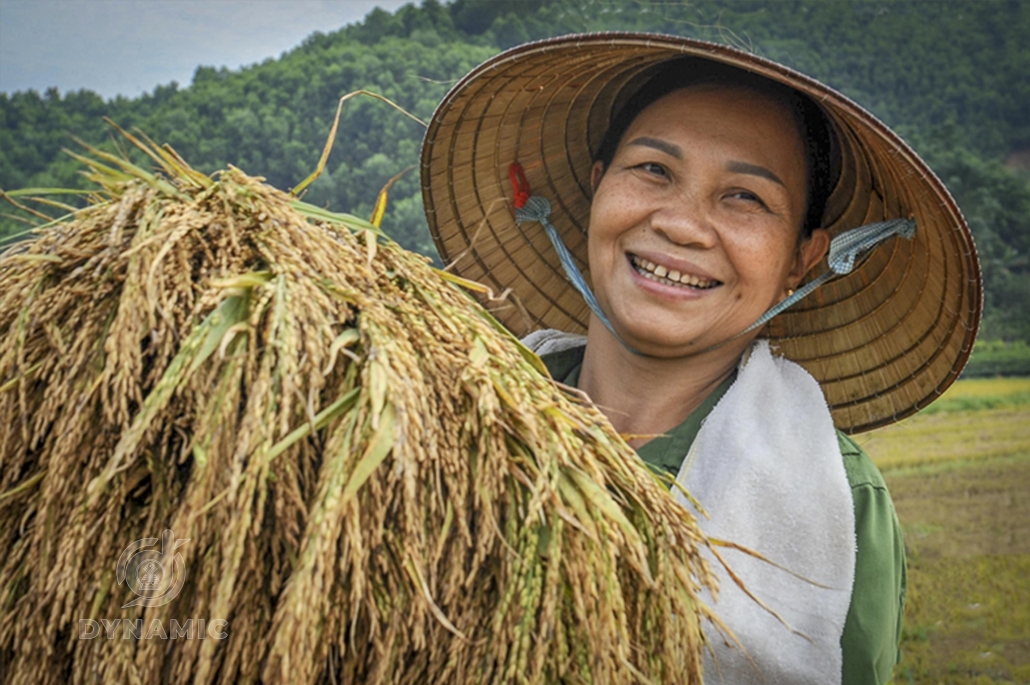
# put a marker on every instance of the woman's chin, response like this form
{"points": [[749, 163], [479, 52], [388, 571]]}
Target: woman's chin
{"points": [[651, 333], [663, 343]]}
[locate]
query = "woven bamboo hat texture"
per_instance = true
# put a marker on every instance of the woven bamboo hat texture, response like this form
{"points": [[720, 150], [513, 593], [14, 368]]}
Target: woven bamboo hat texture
{"points": [[883, 341]]}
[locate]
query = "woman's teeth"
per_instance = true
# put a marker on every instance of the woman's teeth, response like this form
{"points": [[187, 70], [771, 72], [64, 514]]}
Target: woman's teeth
{"points": [[660, 274]]}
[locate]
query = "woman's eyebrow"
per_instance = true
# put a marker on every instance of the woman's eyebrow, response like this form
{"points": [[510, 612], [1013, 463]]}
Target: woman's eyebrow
{"points": [[675, 151], [754, 170], [660, 145]]}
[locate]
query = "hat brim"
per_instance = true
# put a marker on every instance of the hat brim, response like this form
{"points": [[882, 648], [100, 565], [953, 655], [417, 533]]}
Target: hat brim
{"points": [[883, 341]]}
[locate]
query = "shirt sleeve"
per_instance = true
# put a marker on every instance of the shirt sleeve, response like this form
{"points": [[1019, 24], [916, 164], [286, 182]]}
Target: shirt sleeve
{"points": [[872, 629]]}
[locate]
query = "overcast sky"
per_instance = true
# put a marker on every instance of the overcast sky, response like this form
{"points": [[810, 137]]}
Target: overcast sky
{"points": [[127, 47]]}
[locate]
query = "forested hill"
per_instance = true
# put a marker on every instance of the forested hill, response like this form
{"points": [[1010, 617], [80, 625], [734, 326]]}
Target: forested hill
{"points": [[951, 77]]}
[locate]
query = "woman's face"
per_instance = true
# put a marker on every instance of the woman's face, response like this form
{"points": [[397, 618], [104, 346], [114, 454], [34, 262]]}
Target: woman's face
{"points": [[695, 224]]}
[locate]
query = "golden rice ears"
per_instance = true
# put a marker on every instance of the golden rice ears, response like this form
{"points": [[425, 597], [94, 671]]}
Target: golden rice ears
{"points": [[374, 481]]}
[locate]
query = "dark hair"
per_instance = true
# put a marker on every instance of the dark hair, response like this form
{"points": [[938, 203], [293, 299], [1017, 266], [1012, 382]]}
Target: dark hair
{"points": [[821, 149]]}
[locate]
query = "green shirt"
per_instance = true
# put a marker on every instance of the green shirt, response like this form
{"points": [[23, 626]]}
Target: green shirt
{"points": [[872, 629]]}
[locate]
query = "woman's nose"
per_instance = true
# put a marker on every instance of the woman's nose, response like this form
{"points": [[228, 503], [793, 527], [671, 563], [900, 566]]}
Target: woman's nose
{"points": [[685, 222]]}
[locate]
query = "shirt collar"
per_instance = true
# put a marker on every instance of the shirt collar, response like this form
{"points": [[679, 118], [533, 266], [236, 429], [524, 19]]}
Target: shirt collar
{"points": [[664, 453]]}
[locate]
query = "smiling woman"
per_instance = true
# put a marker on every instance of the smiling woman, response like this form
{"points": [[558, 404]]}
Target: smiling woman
{"points": [[695, 188], [701, 188]]}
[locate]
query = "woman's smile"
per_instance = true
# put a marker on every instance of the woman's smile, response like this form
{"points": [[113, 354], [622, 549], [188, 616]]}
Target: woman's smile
{"points": [[695, 224], [670, 272]]}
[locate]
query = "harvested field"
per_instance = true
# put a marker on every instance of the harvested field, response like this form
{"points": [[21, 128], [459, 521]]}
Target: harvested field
{"points": [[960, 479]]}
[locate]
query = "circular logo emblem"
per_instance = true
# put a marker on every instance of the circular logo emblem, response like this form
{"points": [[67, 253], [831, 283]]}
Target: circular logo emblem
{"points": [[155, 575]]}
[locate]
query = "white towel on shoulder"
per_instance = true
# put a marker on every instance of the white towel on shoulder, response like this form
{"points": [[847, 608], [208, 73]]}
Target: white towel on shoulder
{"points": [[551, 340], [767, 468]]}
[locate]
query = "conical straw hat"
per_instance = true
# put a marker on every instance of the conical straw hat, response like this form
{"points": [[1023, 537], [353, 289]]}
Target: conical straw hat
{"points": [[883, 341]]}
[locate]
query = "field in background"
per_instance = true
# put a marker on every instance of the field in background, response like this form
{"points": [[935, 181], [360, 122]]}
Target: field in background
{"points": [[974, 419], [959, 474]]}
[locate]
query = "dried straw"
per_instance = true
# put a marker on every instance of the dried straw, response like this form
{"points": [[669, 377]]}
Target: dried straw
{"points": [[377, 482]]}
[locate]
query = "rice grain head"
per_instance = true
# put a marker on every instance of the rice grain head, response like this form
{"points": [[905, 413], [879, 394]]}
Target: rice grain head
{"points": [[378, 484]]}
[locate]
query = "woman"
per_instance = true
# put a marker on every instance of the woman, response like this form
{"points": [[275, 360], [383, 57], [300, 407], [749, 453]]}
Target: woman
{"points": [[701, 188]]}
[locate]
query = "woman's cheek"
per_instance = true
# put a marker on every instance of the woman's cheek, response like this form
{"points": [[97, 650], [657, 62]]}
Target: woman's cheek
{"points": [[762, 267]]}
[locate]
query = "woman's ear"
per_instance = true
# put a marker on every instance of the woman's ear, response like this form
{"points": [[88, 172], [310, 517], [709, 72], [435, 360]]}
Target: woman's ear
{"points": [[596, 174], [810, 251]]}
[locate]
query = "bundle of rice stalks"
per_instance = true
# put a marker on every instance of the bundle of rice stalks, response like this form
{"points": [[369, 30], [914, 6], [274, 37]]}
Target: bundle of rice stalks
{"points": [[352, 473]]}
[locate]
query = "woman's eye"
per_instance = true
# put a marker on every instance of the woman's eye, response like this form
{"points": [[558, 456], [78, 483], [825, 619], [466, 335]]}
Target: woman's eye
{"points": [[747, 196], [653, 168]]}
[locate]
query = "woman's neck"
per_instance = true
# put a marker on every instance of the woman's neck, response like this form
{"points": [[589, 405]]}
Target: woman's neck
{"points": [[648, 396]]}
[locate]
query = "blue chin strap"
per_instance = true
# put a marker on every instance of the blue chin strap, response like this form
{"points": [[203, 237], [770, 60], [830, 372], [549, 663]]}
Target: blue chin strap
{"points": [[844, 254], [538, 209]]}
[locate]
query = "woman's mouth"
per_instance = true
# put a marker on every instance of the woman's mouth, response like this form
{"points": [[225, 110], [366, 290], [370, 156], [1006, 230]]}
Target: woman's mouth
{"points": [[660, 274]]}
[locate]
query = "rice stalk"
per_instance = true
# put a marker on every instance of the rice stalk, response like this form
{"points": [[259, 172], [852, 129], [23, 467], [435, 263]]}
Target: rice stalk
{"points": [[377, 483]]}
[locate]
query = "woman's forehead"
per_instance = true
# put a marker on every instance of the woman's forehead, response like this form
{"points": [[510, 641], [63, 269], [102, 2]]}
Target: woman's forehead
{"points": [[727, 101], [740, 120]]}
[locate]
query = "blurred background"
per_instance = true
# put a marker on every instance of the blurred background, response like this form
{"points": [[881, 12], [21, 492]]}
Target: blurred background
{"points": [[255, 84]]}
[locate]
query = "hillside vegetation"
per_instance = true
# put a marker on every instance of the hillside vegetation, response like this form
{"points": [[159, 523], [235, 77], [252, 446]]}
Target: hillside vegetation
{"points": [[949, 76]]}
